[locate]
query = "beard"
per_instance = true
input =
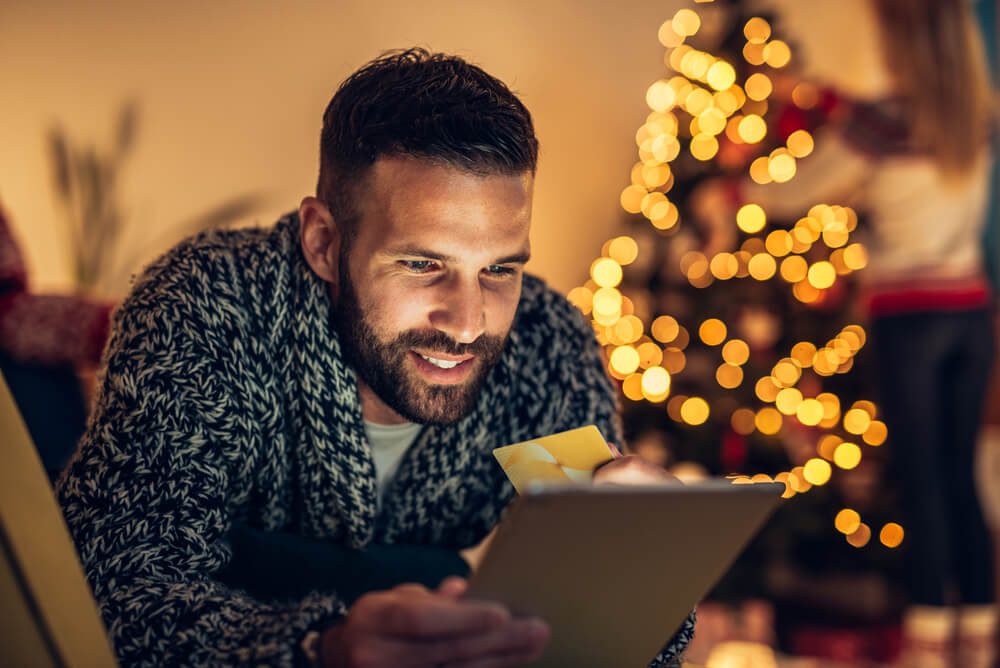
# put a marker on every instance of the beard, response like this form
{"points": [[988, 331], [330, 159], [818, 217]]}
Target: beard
{"points": [[384, 365]]}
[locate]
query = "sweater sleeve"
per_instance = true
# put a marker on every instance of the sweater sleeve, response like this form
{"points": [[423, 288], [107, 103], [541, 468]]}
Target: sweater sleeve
{"points": [[594, 400], [148, 495]]}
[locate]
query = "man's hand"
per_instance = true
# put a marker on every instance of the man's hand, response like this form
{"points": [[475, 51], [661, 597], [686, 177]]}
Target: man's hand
{"points": [[631, 470], [410, 625]]}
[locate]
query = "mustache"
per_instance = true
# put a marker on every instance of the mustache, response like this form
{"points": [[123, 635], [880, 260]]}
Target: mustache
{"points": [[486, 345]]}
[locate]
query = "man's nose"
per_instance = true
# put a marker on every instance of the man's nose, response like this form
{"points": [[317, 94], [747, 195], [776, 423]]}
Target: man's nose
{"points": [[461, 312]]}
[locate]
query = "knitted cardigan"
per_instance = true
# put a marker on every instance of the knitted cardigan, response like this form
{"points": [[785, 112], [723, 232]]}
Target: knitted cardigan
{"points": [[225, 399]]}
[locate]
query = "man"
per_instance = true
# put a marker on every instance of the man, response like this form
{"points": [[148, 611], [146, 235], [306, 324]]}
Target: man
{"points": [[343, 376]]}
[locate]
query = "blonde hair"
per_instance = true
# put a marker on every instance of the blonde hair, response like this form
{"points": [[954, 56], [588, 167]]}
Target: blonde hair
{"points": [[936, 58]]}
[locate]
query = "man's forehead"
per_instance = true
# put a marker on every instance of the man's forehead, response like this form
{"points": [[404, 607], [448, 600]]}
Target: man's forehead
{"points": [[406, 193]]}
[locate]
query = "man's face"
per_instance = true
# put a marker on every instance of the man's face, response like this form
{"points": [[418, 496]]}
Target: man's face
{"points": [[429, 285]]}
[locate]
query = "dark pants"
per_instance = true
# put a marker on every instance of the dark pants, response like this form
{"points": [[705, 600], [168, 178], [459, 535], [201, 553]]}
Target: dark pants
{"points": [[933, 373]]}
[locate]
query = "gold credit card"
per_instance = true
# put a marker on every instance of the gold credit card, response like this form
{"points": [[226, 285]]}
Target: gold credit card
{"points": [[568, 456]]}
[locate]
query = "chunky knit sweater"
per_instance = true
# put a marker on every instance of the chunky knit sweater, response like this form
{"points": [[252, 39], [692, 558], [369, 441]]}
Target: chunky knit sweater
{"points": [[226, 400]]}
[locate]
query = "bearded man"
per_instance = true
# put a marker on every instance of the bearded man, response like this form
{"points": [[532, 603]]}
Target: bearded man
{"points": [[342, 378]]}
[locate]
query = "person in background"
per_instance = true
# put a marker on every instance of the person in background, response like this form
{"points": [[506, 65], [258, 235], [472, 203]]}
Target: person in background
{"points": [[47, 342], [916, 158], [341, 377]]}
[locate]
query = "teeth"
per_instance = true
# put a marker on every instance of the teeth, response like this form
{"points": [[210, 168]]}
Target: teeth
{"points": [[444, 364]]}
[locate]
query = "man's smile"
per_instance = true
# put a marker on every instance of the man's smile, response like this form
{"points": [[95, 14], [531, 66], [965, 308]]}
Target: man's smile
{"points": [[443, 369]]}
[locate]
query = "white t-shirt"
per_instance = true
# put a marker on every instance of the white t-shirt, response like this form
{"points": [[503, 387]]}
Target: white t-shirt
{"points": [[389, 442]]}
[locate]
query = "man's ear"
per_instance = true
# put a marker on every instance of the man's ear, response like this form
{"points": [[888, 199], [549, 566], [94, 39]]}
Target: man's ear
{"points": [[320, 237]]}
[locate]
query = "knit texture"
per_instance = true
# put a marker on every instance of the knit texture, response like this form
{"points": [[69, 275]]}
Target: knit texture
{"points": [[225, 399]]}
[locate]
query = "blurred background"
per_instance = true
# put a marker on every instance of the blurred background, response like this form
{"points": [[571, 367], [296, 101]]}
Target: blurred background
{"points": [[780, 217]]}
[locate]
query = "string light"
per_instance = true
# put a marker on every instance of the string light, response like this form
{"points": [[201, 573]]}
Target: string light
{"points": [[707, 89]]}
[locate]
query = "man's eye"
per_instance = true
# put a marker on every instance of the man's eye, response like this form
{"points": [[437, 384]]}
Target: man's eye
{"points": [[418, 266], [500, 271]]}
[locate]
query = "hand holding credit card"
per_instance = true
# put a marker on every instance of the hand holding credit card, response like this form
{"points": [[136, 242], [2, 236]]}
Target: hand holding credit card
{"points": [[569, 456]]}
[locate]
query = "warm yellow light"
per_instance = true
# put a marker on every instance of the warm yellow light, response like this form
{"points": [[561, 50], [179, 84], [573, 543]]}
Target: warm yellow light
{"points": [[781, 167], [768, 421], [777, 54], [803, 353], [724, 266], [767, 389], [827, 446], [632, 387], [721, 75], [736, 351], [861, 536], [704, 146], [876, 433], [817, 471], [698, 100], [751, 218], [758, 170], [686, 22], [665, 328], [800, 143], [757, 30], [623, 250], [653, 176], [606, 272], [607, 301], [805, 292], [694, 411], [631, 198], [650, 354], [857, 421], [778, 243], [668, 36], [805, 96], [582, 298], [758, 86], [822, 275], [891, 535], [712, 121], [663, 217], [660, 96], [625, 360], [847, 521], [674, 407], [847, 455], [762, 266], [664, 148], [655, 383], [831, 406], [856, 257], [674, 359], [835, 237], [727, 102], [729, 376], [753, 53], [712, 332], [698, 275], [786, 372], [752, 128], [629, 329], [742, 421], [794, 268], [797, 480], [788, 400], [809, 412]]}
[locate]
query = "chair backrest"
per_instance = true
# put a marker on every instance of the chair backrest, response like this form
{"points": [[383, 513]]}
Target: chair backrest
{"points": [[47, 612]]}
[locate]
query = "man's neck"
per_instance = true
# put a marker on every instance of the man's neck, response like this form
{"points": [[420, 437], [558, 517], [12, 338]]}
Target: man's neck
{"points": [[374, 409]]}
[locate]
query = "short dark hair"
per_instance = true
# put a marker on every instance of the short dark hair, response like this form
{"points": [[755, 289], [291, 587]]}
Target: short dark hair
{"points": [[432, 106]]}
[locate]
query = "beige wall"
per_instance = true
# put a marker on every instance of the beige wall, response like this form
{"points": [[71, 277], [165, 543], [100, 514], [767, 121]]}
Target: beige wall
{"points": [[232, 94]]}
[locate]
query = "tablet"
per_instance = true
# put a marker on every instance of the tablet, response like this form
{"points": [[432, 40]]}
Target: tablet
{"points": [[615, 570]]}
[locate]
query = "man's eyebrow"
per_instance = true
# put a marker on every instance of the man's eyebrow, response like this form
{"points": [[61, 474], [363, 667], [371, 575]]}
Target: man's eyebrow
{"points": [[417, 251]]}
